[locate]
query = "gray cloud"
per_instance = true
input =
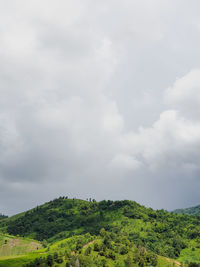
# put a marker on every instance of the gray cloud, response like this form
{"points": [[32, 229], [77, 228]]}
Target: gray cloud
{"points": [[99, 99]]}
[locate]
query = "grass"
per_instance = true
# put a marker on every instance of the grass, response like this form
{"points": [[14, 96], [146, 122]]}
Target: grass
{"points": [[166, 262], [10, 245], [20, 260]]}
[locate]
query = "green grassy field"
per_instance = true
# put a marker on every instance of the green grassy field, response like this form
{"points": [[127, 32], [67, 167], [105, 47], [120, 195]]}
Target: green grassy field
{"points": [[10, 245], [16, 251], [20, 260]]}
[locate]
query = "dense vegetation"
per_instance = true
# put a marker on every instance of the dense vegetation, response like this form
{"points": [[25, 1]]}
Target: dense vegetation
{"points": [[91, 251], [190, 211], [104, 250], [106, 233]]}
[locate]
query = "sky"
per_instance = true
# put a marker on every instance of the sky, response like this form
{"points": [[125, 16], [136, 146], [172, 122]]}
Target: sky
{"points": [[99, 99]]}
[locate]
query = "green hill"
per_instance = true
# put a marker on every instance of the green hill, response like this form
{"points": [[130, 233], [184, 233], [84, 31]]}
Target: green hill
{"points": [[105, 233], [190, 211]]}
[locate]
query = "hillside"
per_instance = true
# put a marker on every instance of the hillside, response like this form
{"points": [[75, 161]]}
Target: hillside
{"points": [[190, 211], [107, 233], [10, 245], [92, 251], [12, 249]]}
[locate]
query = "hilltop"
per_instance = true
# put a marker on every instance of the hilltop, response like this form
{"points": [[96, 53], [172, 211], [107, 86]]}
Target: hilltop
{"points": [[107, 233]]}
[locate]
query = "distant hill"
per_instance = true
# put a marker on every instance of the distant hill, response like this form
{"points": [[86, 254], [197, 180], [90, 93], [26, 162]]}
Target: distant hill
{"points": [[106, 233], [190, 211], [3, 216]]}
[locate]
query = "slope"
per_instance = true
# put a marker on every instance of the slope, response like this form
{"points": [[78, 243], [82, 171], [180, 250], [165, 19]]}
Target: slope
{"points": [[93, 251], [13, 249], [10, 245]]}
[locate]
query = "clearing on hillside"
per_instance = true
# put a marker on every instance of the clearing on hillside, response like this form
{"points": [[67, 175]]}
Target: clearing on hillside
{"points": [[10, 245]]}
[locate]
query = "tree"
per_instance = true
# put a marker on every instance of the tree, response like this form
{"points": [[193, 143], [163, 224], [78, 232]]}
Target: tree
{"points": [[49, 260], [96, 246], [128, 262], [77, 264], [88, 251]]}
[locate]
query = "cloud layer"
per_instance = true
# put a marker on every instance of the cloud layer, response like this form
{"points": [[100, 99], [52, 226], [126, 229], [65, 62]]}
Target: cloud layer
{"points": [[99, 99]]}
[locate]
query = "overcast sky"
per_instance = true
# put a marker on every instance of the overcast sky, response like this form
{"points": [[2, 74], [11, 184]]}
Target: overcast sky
{"points": [[100, 99]]}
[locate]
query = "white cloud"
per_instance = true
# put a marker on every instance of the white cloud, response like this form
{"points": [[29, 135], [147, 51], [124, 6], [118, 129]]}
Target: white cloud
{"points": [[185, 94], [172, 142]]}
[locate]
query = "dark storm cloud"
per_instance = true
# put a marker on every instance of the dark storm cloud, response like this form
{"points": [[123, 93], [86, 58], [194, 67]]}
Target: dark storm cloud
{"points": [[99, 99]]}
